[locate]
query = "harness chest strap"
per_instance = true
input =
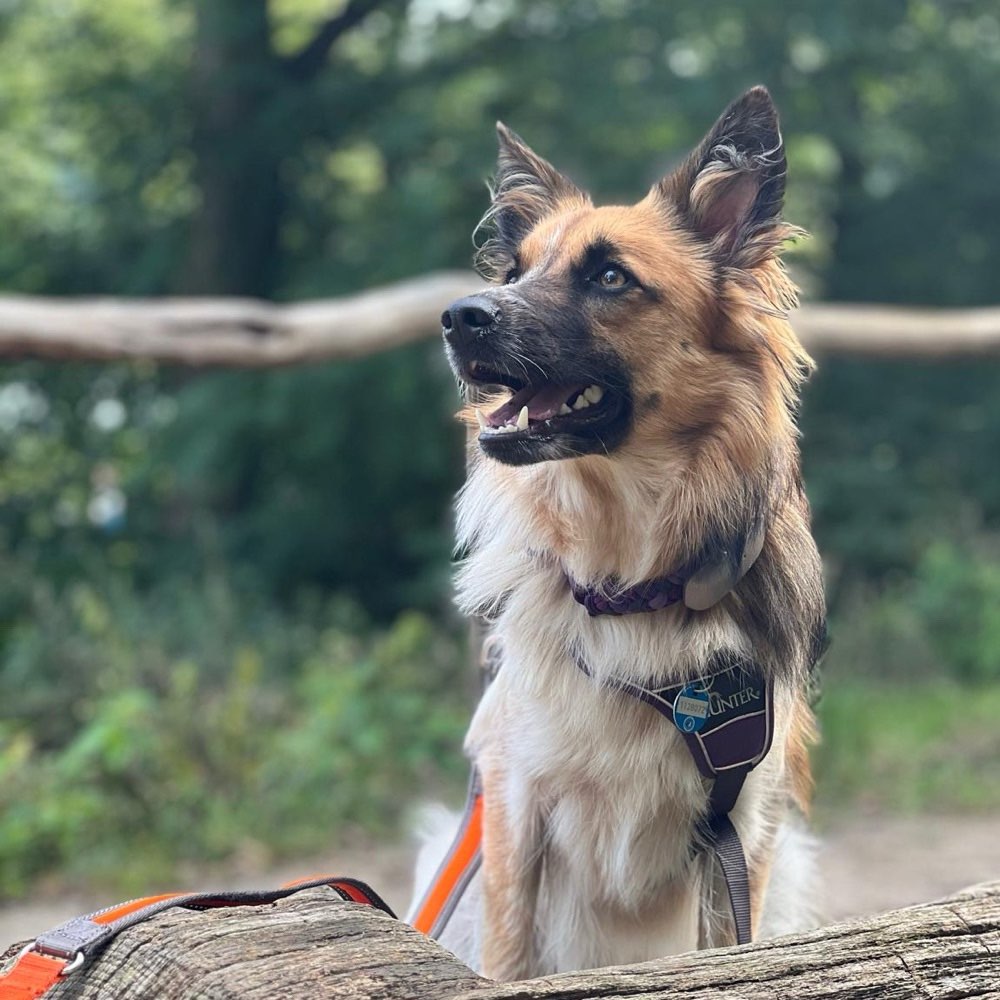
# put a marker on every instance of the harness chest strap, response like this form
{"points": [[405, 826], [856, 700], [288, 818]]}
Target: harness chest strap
{"points": [[67, 948]]}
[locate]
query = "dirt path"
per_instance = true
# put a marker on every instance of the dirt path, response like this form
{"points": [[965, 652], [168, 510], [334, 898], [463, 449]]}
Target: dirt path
{"points": [[871, 864]]}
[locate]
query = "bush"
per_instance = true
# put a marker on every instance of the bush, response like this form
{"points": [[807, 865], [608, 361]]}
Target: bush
{"points": [[172, 756]]}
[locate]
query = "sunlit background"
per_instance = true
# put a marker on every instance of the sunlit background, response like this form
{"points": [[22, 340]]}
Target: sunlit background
{"points": [[225, 628]]}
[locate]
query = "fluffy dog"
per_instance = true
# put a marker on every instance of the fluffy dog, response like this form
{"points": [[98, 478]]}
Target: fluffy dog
{"points": [[645, 431]]}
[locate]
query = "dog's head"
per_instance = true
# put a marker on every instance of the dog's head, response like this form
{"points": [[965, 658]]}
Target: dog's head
{"points": [[632, 323]]}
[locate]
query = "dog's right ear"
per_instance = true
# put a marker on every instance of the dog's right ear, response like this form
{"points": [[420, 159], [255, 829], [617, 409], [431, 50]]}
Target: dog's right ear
{"points": [[525, 189]]}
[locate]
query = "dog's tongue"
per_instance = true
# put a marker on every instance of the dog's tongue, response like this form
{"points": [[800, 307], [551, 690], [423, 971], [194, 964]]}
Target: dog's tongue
{"points": [[542, 403]]}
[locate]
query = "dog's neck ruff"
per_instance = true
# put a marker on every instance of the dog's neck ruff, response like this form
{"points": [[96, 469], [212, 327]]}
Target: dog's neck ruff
{"points": [[700, 591]]}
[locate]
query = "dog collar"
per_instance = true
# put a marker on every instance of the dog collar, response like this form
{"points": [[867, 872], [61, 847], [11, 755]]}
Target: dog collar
{"points": [[651, 595], [705, 587]]}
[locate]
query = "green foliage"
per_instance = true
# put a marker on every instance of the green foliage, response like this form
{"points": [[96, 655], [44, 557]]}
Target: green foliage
{"points": [[941, 621], [369, 166], [908, 746], [282, 734], [895, 458], [173, 674], [910, 694], [958, 595]]}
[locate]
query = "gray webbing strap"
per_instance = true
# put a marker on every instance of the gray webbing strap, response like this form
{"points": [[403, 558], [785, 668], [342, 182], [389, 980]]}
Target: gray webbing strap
{"points": [[727, 847]]}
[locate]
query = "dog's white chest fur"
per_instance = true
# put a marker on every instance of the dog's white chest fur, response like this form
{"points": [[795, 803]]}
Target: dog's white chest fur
{"points": [[614, 790]]}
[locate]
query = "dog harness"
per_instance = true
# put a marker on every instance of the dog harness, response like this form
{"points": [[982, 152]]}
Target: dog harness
{"points": [[726, 718]]}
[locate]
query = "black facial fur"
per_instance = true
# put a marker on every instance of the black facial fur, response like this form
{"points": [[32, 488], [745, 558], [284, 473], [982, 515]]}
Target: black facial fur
{"points": [[541, 334]]}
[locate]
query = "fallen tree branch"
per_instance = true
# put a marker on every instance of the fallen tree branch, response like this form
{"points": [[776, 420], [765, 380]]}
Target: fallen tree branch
{"points": [[244, 333], [310, 945], [898, 332], [234, 333]]}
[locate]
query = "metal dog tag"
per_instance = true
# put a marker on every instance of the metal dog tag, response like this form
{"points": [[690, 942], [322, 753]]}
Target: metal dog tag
{"points": [[711, 583]]}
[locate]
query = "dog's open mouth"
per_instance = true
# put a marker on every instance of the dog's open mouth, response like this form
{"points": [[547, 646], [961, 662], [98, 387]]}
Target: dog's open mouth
{"points": [[577, 413], [546, 407]]}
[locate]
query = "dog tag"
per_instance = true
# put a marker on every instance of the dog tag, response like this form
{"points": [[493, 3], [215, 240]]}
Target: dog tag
{"points": [[691, 709], [712, 582]]}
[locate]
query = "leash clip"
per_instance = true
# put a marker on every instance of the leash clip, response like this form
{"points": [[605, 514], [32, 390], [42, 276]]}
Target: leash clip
{"points": [[67, 970], [74, 966]]}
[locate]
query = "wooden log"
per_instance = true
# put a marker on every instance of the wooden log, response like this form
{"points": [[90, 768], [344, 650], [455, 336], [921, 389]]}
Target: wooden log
{"points": [[927, 952], [310, 945], [233, 333], [898, 332], [244, 333]]}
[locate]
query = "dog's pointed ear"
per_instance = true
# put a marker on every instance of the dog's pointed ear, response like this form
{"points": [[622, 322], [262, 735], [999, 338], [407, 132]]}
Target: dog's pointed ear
{"points": [[525, 189], [730, 189]]}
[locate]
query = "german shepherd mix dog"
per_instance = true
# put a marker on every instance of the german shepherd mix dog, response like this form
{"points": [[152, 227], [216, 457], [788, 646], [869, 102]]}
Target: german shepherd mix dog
{"points": [[646, 433]]}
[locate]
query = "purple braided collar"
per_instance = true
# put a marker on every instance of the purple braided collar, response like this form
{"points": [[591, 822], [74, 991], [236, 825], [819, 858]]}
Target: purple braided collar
{"points": [[650, 595]]}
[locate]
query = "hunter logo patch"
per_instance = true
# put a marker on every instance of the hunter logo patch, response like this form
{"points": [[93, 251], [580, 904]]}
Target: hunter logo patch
{"points": [[727, 718], [738, 728], [720, 704]]}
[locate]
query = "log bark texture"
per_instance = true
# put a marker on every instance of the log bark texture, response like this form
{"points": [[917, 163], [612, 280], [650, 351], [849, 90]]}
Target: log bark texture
{"points": [[252, 334], [311, 945]]}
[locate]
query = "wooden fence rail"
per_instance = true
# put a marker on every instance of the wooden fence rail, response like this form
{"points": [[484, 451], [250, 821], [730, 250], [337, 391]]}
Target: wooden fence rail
{"points": [[245, 333], [312, 946]]}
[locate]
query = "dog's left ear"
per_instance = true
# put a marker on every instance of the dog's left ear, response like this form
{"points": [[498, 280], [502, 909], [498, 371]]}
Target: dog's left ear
{"points": [[730, 189]]}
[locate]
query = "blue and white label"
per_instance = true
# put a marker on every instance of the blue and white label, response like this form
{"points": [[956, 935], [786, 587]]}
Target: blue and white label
{"points": [[691, 709]]}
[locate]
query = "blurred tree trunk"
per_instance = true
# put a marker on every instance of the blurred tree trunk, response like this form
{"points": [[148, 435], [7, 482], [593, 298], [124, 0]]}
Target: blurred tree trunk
{"points": [[239, 85], [234, 235]]}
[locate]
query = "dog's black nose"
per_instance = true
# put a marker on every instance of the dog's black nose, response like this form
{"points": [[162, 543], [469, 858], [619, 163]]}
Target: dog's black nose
{"points": [[465, 320]]}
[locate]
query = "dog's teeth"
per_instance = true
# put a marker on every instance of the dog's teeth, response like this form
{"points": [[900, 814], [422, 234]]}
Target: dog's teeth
{"points": [[593, 393], [522, 419], [564, 409], [581, 402], [483, 425]]}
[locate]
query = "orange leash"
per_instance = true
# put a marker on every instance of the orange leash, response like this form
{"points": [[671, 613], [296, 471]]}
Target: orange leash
{"points": [[32, 976], [456, 871]]}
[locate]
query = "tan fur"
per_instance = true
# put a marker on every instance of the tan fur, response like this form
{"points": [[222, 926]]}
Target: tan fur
{"points": [[802, 735], [510, 881], [593, 800]]}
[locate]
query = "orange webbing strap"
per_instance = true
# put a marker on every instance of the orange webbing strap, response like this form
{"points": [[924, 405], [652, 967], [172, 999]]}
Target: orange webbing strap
{"points": [[32, 976], [66, 948], [113, 913], [457, 869]]}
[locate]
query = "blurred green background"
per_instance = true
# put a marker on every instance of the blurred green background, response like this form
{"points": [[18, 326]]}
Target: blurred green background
{"points": [[224, 609]]}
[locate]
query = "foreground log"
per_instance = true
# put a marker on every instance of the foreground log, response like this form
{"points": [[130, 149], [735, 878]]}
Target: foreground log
{"points": [[310, 945], [244, 333]]}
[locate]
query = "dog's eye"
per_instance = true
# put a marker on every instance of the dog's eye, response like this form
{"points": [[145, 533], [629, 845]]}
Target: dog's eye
{"points": [[512, 275], [613, 277]]}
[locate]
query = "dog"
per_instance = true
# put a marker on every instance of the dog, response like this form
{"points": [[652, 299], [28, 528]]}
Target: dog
{"points": [[641, 384]]}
